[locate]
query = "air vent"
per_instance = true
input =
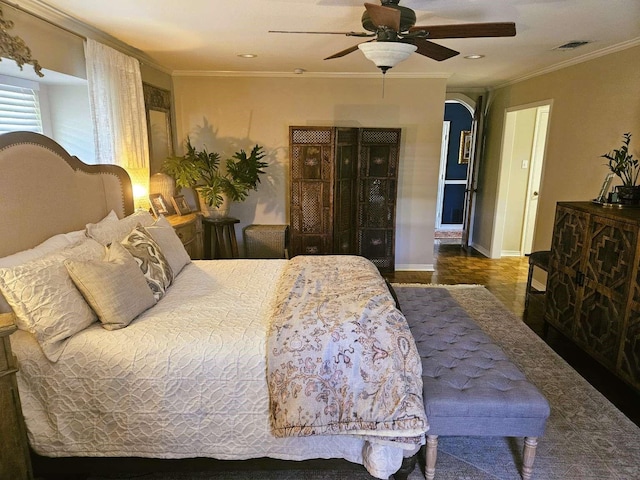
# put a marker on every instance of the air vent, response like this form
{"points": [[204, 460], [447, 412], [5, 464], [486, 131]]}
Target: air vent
{"points": [[572, 45]]}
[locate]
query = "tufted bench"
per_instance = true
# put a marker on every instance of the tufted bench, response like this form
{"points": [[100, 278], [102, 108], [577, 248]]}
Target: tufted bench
{"points": [[471, 388]]}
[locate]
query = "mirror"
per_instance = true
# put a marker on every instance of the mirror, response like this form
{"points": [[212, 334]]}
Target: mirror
{"points": [[158, 105]]}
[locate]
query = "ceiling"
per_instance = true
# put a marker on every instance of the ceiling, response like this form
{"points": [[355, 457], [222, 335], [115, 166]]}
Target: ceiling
{"points": [[206, 36]]}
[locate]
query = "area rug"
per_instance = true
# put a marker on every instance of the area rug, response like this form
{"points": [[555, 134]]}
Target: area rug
{"points": [[587, 438]]}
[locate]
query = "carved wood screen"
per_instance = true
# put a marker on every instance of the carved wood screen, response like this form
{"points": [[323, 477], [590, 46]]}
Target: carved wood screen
{"points": [[343, 192], [593, 287]]}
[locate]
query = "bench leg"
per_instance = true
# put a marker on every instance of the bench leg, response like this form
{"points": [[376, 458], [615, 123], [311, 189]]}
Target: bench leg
{"points": [[529, 455], [432, 453]]}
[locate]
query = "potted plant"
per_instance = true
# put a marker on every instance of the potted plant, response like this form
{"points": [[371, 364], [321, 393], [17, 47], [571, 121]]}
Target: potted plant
{"points": [[202, 170], [622, 163]]}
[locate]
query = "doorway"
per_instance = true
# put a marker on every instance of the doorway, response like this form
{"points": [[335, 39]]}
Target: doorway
{"points": [[522, 163], [452, 178]]}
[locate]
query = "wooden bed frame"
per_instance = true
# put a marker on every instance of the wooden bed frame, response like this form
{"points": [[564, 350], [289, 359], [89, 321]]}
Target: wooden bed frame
{"points": [[45, 191]]}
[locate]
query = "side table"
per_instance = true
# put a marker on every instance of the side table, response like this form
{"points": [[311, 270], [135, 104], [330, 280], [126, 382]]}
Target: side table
{"points": [[220, 238]]}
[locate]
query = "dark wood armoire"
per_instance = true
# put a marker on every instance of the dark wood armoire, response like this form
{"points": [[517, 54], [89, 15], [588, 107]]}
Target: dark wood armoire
{"points": [[343, 192], [593, 286]]}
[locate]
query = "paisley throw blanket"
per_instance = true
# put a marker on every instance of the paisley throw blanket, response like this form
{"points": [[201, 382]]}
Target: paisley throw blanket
{"points": [[340, 356]]}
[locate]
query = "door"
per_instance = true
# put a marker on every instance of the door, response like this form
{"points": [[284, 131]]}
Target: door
{"points": [[477, 134], [535, 174]]}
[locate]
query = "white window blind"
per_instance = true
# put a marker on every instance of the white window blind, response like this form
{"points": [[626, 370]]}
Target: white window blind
{"points": [[19, 109]]}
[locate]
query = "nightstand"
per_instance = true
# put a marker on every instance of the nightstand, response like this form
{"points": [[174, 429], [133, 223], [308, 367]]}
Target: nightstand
{"points": [[14, 449], [189, 230]]}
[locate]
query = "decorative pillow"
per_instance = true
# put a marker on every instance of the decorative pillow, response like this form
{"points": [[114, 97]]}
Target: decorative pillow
{"points": [[170, 245], [45, 300], [115, 288], [150, 259], [109, 230]]}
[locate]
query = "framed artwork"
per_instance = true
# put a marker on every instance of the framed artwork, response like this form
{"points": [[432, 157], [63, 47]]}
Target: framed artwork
{"points": [[180, 204], [465, 147], [158, 204]]}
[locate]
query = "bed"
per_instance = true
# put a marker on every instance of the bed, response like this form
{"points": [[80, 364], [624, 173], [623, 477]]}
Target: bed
{"points": [[226, 359]]}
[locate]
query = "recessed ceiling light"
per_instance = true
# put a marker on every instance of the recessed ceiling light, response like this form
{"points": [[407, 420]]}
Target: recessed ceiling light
{"points": [[299, 71], [474, 57], [247, 55]]}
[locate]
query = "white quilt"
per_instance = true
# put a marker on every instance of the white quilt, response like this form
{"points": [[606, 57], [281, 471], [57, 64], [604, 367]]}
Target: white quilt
{"points": [[185, 379]]}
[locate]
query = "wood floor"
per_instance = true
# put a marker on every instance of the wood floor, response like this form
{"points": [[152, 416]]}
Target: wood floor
{"points": [[506, 278]]}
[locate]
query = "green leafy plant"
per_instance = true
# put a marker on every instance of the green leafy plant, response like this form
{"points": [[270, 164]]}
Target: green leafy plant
{"points": [[622, 163], [202, 170]]}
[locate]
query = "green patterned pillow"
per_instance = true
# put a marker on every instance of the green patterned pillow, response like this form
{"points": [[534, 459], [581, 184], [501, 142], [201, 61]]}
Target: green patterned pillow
{"points": [[150, 259]]}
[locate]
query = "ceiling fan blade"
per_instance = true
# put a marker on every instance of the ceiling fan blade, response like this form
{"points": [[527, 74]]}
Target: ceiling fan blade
{"points": [[467, 30], [348, 34], [430, 49], [384, 16], [346, 51]]}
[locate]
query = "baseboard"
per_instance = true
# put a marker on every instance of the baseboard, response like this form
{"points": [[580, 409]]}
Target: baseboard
{"points": [[510, 253], [415, 267]]}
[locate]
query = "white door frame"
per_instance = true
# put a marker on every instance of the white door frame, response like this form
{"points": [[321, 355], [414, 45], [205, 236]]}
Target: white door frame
{"points": [[444, 152], [500, 207]]}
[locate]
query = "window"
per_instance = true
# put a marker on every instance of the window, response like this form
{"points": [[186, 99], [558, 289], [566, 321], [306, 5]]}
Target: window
{"points": [[19, 106]]}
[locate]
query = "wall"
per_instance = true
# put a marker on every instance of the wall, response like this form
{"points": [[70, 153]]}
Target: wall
{"points": [[594, 103], [229, 113]]}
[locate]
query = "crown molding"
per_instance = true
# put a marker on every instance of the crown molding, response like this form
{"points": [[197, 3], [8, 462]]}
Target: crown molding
{"points": [[254, 74], [634, 42], [57, 18]]}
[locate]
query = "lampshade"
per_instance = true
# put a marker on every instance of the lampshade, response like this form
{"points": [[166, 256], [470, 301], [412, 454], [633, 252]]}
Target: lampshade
{"points": [[387, 54]]}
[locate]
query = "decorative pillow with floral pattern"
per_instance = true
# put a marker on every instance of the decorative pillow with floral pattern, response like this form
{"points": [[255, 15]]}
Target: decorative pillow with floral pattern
{"points": [[151, 260]]}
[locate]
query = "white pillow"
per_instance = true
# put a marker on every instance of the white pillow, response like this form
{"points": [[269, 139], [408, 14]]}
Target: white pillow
{"points": [[45, 300], [55, 243], [109, 231], [170, 244], [114, 287]]}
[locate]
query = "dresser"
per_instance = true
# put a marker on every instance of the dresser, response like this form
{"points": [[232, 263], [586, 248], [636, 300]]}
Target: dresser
{"points": [[593, 284], [189, 230], [14, 451]]}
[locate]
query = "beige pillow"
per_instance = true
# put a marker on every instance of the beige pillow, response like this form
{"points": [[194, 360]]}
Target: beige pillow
{"points": [[115, 287], [170, 244], [110, 230], [45, 300], [150, 259]]}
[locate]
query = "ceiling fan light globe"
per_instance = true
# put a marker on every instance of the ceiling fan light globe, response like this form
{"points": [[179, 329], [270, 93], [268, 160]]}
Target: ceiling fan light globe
{"points": [[387, 55]]}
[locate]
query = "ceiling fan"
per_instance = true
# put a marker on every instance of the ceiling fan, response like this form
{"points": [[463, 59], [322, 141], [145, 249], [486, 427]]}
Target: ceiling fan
{"points": [[395, 36]]}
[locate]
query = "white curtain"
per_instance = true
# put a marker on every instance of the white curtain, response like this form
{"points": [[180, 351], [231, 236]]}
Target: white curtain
{"points": [[117, 109]]}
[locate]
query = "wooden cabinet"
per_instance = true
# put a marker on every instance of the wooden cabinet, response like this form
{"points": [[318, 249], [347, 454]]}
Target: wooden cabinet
{"points": [[593, 285], [189, 230], [343, 192], [14, 450]]}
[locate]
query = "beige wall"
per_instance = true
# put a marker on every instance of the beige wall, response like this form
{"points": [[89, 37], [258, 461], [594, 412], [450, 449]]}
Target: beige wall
{"points": [[594, 103], [230, 113]]}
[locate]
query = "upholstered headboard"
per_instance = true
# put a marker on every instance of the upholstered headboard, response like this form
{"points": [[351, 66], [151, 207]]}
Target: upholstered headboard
{"points": [[45, 191]]}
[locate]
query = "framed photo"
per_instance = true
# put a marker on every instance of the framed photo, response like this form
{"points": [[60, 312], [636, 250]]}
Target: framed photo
{"points": [[604, 190], [158, 204], [180, 204], [465, 147]]}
